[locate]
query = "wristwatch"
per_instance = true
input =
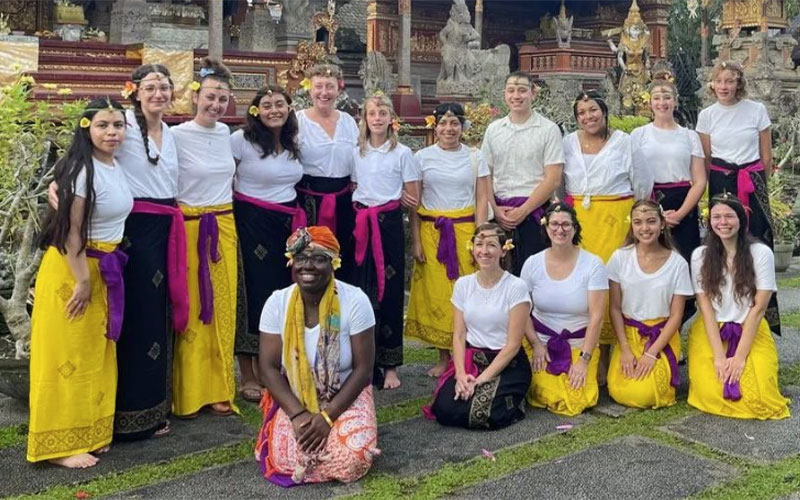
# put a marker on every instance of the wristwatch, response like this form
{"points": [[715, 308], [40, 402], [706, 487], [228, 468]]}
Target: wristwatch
{"points": [[586, 356]]}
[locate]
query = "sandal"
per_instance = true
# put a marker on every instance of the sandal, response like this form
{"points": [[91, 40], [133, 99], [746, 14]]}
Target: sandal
{"points": [[163, 431], [251, 394]]}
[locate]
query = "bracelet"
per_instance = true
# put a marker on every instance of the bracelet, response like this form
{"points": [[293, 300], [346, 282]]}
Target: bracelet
{"points": [[650, 355], [297, 414], [327, 418]]}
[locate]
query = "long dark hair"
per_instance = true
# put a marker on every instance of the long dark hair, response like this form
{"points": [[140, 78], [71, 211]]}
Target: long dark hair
{"points": [[593, 95], [557, 207], [136, 77], [743, 274], [664, 238], [65, 173], [259, 134]]}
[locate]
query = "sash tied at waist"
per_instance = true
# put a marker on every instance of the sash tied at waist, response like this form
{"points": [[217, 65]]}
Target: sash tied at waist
{"points": [[111, 264], [366, 222], [668, 185], [731, 333], [297, 213], [518, 201], [176, 260], [558, 346], [326, 215], [447, 253], [651, 332], [207, 246], [744, 183]]}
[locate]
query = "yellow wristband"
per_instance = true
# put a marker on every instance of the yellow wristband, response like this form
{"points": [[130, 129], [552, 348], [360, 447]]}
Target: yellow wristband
{"points": [[326, 417]]}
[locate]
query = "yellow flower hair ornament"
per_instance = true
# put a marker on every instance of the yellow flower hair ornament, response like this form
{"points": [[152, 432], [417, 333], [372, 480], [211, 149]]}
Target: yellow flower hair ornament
{"points": [[628, 219], [470, 245], [128, 90], [396, 125], [336, 263], [704, 213], [543, 221], [290, 257], [305, 83], [194, 86], [85, 122], [430, 121], [253, 111], [508, 245]]}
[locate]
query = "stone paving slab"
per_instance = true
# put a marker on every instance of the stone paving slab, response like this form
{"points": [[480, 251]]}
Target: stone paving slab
{"points": [[631, 467], [415, 383], [788, 299], [241, 480], [12, 411], [761, 440], [204, 433]]}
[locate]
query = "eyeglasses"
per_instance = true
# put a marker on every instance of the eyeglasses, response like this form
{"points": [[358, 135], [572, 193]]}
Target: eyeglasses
{"points": [[565, 226], [151, 89], [317, 259]]}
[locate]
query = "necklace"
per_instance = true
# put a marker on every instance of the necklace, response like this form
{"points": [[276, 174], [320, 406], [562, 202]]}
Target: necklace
{"points": [[587, 146]]}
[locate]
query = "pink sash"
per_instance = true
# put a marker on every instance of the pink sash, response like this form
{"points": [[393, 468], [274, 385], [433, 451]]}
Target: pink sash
{"points": [[177, 266], [297, 213], [366, 219], [744, 184], [326, 216]]}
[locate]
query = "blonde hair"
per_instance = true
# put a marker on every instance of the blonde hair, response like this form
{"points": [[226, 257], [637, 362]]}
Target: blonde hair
{"points": [[324, 71], [664, 78], [736, 69], [382, 101]]}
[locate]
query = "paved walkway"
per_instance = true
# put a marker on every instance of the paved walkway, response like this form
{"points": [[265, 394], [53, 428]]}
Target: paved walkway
{"points": [[609, 453]]}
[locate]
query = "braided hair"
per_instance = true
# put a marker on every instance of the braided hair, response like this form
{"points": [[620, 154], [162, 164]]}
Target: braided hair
{"points": [[137, 76]]}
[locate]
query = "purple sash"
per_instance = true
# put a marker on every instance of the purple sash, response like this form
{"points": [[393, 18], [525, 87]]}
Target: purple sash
{"points": [[447, 252], [652, 333], [207, 246], [558, 346], [111, 264], [731, 333], [518, 201]]}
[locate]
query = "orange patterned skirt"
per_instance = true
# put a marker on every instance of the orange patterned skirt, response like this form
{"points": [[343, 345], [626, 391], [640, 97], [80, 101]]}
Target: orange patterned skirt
{"points": [[348, 454]]}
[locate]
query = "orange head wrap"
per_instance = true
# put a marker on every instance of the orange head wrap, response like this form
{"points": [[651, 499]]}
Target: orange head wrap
{"points": [[319, 237]]}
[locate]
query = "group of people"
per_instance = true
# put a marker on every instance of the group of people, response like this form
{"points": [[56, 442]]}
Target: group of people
{"points": [[160, 239]]}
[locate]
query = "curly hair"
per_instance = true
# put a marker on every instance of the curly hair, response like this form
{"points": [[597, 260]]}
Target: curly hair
{"points": [[737, 70], [259, 134]]}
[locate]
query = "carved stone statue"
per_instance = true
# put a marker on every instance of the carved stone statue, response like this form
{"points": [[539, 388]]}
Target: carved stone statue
{"points": [[465, 67], [376, 74], [633, 56], [297, 16], [563, 28]]}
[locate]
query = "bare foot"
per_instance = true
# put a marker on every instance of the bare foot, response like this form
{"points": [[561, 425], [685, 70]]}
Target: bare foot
{"points": [[390, 379], [221, 409], [437, 369], [79, 461], [102, 450]]}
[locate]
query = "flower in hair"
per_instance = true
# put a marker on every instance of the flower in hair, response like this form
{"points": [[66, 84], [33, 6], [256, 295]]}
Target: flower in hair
{"points": [[710, 85], [253, 111], [378, 93], [430, 121], [628, 219], [341, 85], [194, 86], [204, 72], [85, 122], [396, 125], [704, 213], [336, 263], [470, 245], [128, 90], [645, 96], [543, 221], [305, 83], [508, 245]]}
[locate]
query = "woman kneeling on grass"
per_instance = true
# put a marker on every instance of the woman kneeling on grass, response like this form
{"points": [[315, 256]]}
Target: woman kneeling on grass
{"points": [[319, 418]]}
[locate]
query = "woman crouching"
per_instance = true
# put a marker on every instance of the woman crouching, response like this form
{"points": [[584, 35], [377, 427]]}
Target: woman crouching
{"points": [[319, 418], [485, 383]]}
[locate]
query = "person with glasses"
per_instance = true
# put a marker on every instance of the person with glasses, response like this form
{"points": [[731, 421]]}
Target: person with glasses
{"points": [[649, 283], [733, 362], [316, 356], [736, 135], [603, 184], [569, 288]]}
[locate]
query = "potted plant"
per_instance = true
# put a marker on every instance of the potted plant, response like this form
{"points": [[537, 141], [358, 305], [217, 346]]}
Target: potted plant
{"points": [[31, 137], [784, 225]]}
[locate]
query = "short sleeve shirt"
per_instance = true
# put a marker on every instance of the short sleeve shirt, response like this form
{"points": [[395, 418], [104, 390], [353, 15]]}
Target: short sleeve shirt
{"points": [[146, 180], [448, 177], [381, 173], [667, 153], [734, 130], [205, 162], [113, 201], [269, 179], [323, 156]]}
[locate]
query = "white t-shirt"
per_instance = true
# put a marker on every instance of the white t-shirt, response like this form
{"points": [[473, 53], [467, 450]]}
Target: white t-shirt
{"points": [[734, 130], [206, 165], [667, 153], [113, 201], [727, 309], [611, 172], [448, 177], [381, 173], [647, 296], [146, 180], [486, 310], [322, 156], [564, 304], [518, 153], [269, 179]]}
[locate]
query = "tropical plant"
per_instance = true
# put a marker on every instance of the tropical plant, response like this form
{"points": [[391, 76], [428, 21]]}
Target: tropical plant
{"points": [[479, 116], [31, 137], [627, 123], [784, 223]]}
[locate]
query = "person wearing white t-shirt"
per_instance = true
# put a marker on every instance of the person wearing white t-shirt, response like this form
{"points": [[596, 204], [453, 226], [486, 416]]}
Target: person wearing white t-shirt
{"points": [[454, 192], [316, 356], [733, 362], [386, 178], [266, 212], [526, 158], [485, 383], [569, 288], [675, 156], [648, 286], [205, 176], [327, 138], [77, 317]]}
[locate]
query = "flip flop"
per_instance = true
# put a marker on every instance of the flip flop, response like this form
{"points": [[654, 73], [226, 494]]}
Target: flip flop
{"points": [[251, 394], [163, 431]]}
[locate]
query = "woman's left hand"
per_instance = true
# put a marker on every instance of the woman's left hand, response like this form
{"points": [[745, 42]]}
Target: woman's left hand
{"points": [[315, 435], [540, 357], [735, 368], [644, 365], [577, 374], [408, 200], [672, 218]]}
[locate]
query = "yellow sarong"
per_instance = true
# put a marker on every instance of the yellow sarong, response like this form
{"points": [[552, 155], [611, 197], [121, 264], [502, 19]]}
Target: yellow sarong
{"points": [[430, 312], [655, 390], [554, 392], [603, 230], [203, 371], [761, 397], [73, 369]]}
